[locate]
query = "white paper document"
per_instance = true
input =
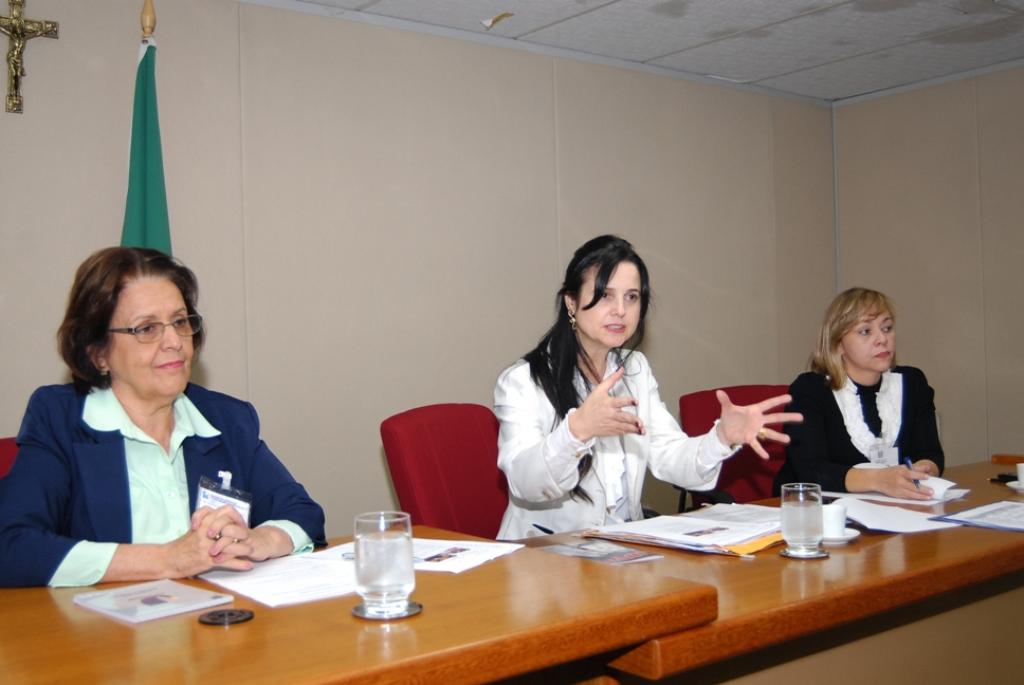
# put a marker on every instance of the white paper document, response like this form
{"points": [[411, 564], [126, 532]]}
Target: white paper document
{"points": [[889, 518], [1002, 515], [740, 513], [447, 556], [711, 529], [289, 580], [332, 572], [948, 495]]}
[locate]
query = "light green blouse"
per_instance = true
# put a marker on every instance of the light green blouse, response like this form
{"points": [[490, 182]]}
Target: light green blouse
{"points": [[157, 487]]}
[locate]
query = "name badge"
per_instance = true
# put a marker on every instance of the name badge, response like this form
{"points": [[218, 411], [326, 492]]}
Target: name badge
{"points": [[883, 454], [215, 495]]}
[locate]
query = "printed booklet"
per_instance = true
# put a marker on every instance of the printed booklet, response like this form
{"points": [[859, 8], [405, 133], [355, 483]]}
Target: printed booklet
{"points": [[146, 601]]}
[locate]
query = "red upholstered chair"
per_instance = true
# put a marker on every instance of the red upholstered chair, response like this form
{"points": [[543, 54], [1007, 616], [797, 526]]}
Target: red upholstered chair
{"points": [[745, 476], [443, 460], [8, 450]]}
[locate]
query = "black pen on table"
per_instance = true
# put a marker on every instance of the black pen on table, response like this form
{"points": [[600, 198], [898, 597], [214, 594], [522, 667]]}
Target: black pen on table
{"points": [[909, 465], [546, 531]]}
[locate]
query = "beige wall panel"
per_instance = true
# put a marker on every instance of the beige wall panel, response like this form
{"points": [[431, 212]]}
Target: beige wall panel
{"points": [[1001, 155], [683, 170], [686, 172], [198, 83], [804, 228], [399, 207], [62, 180], [909, 218], [64, 175]]}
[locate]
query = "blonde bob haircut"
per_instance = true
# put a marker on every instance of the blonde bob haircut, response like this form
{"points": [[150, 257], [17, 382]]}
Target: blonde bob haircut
{"points": [[845, 312]]}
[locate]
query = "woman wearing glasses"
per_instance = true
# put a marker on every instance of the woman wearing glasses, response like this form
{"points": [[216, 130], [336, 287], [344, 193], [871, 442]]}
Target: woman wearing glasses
{"points": [[108, 470]]}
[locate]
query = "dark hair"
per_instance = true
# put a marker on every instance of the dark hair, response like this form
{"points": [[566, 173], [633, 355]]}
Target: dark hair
{"points": [[558, 355], [94, 295]]}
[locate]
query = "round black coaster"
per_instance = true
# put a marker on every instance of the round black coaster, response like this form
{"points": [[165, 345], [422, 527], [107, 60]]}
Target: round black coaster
{"points": [[226, 617]]}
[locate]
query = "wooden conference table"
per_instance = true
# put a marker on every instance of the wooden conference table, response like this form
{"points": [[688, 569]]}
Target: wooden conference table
{"points": [[533, 610], [941, 606], [525, 611]]}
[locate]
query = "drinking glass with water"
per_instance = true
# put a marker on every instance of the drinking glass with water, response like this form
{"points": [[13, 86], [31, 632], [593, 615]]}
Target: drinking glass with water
{"points": [[384, 565], [801, 520]]}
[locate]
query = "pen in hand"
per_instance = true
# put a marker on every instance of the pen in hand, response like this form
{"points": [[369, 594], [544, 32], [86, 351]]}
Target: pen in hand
{"points": [[909, 465], [546, 531]]}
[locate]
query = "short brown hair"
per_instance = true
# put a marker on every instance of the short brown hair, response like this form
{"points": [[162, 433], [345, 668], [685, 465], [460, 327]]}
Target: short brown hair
{"points": [[93, 298], [846, 310]]}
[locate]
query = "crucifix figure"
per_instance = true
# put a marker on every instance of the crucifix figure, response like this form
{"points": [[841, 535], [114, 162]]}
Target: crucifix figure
{"points": [[19, 31]]}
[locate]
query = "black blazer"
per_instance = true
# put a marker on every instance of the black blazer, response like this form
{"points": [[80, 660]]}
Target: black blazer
{"points": [[820, 450]]}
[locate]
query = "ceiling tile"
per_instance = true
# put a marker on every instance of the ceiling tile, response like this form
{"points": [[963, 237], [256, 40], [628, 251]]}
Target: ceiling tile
{"points": [[327, 8], [527, 15], [833, 34], [643, 30], [945, 55], [340, 4], [825, 49]]}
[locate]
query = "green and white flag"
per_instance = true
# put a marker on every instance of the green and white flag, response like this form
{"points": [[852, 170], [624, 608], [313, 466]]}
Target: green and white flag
{"points": [[145, 212]]}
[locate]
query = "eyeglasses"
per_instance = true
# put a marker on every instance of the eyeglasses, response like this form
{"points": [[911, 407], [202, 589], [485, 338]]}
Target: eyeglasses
{"points": [[186, 327]]}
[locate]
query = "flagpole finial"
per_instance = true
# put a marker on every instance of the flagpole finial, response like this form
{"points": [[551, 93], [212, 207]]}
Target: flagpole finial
{"points": [[148, 19]]}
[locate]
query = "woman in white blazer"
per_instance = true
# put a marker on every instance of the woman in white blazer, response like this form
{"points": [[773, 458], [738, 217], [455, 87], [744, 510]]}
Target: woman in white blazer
{"points": [[581, 417]]}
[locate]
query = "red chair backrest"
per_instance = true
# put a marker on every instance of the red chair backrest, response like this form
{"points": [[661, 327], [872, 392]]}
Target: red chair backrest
{"points": [[745, 476], [8, 451], [443, 460]]}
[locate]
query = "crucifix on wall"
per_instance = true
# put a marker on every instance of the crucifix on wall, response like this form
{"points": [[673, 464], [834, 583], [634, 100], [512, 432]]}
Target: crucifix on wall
{"points": [[19, 31]]}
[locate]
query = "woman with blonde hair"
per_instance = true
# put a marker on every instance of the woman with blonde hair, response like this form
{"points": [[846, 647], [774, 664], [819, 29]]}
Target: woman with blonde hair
{"points": [[866, 420]]}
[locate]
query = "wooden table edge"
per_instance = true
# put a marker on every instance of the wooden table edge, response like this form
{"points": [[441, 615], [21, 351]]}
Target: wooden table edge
{"points": [[668, 613], [730, 637]]}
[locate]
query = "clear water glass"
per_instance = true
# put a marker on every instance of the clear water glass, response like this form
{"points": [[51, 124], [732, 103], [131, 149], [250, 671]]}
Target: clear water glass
{"points": [[384, 563], [801, 519]]}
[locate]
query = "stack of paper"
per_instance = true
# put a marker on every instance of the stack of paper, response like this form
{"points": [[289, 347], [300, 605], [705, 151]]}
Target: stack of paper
{"points": [[1006, 515], [890, 518], [289, 580], [332, 572], [448, 556], [737, 529]]}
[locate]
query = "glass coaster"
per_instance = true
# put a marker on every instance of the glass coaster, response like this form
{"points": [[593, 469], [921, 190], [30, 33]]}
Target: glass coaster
{"points": [[411, 610], [822, 554]]}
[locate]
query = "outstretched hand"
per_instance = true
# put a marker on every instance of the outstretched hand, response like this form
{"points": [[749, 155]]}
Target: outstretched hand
{"points": [[602, 415], [747, 424]]}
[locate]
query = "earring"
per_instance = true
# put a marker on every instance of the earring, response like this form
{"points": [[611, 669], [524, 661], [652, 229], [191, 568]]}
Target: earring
{"points": [[572, 320]]}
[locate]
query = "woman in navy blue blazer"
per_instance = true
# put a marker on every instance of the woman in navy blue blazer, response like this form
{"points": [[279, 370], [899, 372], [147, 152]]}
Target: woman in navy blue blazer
{"points": [[108, 472]]}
